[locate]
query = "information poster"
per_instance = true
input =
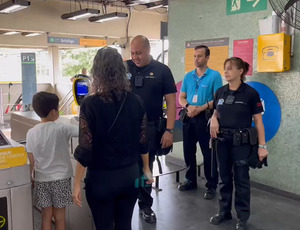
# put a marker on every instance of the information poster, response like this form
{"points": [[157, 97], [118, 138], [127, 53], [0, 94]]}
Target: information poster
{"points": [[244, 50], [218, 53]]}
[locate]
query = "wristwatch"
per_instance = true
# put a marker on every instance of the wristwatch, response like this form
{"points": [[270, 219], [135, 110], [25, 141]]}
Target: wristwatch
{"points": [[169, 130], [262, 146], [187, 105]]}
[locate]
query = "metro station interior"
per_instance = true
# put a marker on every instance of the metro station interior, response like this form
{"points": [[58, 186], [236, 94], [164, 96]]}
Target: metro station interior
{"points": [[45, 43]]}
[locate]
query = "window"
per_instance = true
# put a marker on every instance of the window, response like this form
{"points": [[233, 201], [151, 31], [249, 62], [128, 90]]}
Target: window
{"points": [[156, 50], [11, 68], [72, 61]]}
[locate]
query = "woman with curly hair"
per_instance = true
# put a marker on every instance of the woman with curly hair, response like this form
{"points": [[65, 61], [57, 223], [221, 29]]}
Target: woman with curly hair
{"points": [[112, 135]]}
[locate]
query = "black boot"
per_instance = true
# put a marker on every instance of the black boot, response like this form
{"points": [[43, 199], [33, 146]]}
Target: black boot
{"points": [[241, 225], [219, 218], [148, 215]]}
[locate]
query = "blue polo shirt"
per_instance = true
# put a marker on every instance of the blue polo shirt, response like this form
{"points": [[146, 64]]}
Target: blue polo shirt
{"points": [[204, 87]]}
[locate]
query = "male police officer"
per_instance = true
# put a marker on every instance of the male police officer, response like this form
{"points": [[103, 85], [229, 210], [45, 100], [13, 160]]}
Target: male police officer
{"points": [[152, 81], [196, 95]]}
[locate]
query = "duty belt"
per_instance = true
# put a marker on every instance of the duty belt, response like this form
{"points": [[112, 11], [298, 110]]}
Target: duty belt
{"points": [[232, 131]]}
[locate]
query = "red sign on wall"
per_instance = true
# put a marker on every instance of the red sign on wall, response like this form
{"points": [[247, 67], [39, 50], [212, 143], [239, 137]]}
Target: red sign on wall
{"points": [[244, 50]]}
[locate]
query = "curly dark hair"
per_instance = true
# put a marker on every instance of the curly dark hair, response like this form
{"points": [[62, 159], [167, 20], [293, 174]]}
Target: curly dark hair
{"points": [[109, 79]]}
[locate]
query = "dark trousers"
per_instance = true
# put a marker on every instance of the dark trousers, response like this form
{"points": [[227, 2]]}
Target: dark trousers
{"points": [[234, 168], [111, 196], [145, 199], [195, 130]]}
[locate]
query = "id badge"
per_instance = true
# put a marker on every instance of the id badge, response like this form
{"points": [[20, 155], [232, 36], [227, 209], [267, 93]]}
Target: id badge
{"points": [[195, 99]]}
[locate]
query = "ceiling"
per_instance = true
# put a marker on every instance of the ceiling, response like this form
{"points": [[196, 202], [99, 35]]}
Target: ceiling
{"points": [[124, 2]]}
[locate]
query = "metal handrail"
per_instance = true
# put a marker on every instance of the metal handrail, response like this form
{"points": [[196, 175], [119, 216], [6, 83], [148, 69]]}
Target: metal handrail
{"points": [[64, 107], [65, 100], [65, 97]]}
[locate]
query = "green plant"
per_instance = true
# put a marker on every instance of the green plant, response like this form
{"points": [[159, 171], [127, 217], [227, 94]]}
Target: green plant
{"points": [[73, 61]]}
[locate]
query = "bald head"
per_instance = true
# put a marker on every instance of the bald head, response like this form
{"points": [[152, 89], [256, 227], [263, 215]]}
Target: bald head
{"points": [[140, 51], [141, 40]]}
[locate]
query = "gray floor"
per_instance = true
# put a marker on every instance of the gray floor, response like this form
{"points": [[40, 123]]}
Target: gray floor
{"points": [[189, 211]]}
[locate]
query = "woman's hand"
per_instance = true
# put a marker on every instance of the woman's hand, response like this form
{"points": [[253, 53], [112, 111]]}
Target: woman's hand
{"points": [[214, 127], [77, 195], [148, 175], [262, 153]]}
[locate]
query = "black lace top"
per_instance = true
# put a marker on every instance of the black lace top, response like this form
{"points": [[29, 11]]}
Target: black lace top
{"points": [[99, 149]]}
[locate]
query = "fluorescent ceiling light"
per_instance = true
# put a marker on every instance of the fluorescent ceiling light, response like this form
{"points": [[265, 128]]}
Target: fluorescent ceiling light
{"points": [[108, 17], [80, 14], [13, 6], [152, 7], [10, 33], [31, 34]]}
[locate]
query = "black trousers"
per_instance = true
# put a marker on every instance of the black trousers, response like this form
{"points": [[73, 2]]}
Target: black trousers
{"points": [[144, 198], [111, 196], [234, 168], [195, 130]]}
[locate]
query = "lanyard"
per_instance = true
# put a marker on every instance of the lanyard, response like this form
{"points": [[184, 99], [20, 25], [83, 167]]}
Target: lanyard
{"points": [[198, 81]]}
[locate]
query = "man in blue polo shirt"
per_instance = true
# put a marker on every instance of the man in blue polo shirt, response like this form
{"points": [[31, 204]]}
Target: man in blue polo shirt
{"points": [[197, 93]]}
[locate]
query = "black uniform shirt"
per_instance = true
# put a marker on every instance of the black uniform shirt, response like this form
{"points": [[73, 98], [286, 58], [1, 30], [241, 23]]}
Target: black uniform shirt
{"points": [[236, 108], [157, 82]]}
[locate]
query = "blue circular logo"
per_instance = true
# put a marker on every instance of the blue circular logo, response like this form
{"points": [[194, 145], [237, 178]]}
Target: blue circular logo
{"points": [[272, 111]]}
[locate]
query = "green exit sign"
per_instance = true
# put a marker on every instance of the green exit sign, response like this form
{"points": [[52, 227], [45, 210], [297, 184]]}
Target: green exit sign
{"points": [[245, 6]]}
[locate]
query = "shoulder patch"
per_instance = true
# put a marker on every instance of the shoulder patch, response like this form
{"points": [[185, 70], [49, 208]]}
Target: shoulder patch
{"points": [[220, 101]]}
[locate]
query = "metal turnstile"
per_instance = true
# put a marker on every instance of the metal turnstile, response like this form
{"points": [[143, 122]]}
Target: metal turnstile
{"points": [[16, 211]]}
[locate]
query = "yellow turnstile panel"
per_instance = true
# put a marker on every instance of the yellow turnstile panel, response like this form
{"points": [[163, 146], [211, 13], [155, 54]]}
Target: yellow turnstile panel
{"points": [[12, 157], [274, 53]]}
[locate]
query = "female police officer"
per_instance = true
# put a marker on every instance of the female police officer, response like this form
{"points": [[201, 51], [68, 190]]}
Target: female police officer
{"points": [[235, 105]]}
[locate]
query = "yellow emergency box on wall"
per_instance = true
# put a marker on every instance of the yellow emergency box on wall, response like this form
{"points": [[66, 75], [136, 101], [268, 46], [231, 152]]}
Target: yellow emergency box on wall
{"points": [[274, 53]]}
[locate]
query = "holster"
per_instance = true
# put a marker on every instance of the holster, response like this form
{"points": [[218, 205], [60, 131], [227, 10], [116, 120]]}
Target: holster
{"points": [[208, 114], [253, 136], [155, 131], [183, 115], [253, 160], [161, 124]]}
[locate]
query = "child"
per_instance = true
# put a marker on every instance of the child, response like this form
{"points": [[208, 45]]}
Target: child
{"points": [[47, 145]]}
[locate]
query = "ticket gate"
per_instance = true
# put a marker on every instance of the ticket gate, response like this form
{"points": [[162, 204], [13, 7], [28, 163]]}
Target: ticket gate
{"points": [[16, 211], [80, 89]]}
